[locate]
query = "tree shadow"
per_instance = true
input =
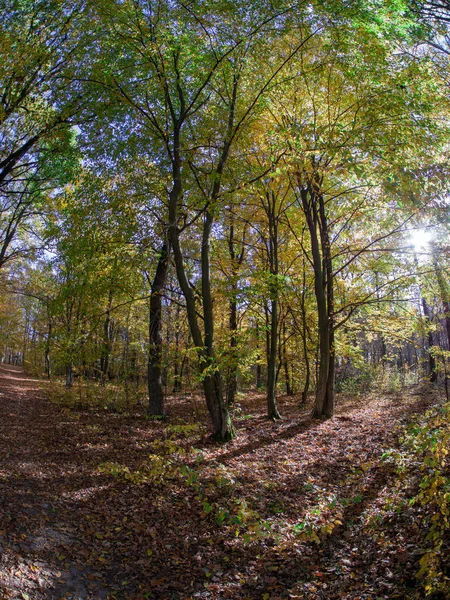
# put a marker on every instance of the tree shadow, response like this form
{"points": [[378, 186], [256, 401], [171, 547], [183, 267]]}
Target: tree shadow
{"points": [[92, 535]]}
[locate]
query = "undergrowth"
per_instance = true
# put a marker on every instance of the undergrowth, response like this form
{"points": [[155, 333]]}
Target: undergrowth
{"points": [[423, 467], [93, 396]]}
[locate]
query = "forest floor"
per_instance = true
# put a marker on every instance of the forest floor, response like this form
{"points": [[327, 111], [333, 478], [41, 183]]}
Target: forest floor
{"points": [[102, 505]]}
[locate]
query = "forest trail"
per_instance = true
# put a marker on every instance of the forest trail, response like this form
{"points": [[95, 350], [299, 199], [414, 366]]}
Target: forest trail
{"points": [[71, 530], [35, 468]]}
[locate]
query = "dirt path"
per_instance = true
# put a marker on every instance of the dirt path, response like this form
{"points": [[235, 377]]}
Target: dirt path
{"points": [[36, 467], [69, 531]]}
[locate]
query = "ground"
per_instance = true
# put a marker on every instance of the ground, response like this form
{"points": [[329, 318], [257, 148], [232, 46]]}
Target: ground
{"points": [[101, 505]]}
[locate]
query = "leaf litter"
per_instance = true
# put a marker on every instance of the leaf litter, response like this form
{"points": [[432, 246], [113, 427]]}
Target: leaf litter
{"points": [[98, 505]]}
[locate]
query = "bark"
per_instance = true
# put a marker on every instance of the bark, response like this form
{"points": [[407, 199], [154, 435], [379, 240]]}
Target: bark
{"points": [[445, 299], [233, 368], [176, 364], [259, 382], [329, 284], [305, 339], [47, 361], [270, 207], [8, 164], [383, 349], [177, 369], [106, 342], [432, 373], [287, 379], [212, 382], [236, 262], [314, 210], [155, 350], [69, 375], [211, 377], [283, 362], [446, 306], [272, 410]]}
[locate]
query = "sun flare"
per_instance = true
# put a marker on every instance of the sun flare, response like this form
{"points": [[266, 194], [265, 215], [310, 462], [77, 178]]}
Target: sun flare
{"points": [[420, 239]]}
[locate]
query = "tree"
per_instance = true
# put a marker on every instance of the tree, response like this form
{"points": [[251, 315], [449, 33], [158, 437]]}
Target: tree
{"points": [[345, 140], [40, 48], [189, 87]]}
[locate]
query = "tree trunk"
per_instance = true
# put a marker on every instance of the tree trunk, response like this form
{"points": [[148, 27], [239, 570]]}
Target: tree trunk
{"points": [[445, 299], [211, 377], [233, 368], [155, 383], [287, 379], [183, 368], [259, 381], [329, 284], [47, 363], [272, 342], [69, 375], [272, 410], [176, 363], [305, 339], [314, 210], [330, 394], [222, 428], [233, 324], [324, 364], [48, 367], [236, 263], [106, 342], [217, 406], [432, 373]]}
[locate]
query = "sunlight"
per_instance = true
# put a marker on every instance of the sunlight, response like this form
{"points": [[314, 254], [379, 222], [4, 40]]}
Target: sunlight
{"points": [[420, 239]]}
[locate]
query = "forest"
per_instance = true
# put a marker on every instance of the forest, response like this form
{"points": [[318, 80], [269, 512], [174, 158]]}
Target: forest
{"points": [[225, 299]]}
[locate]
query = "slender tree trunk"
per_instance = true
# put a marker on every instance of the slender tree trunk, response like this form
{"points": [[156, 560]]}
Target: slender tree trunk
{"points": [[47, 363], [272, 410], [314, 210], [155, 383], [233, 322], [329, 283], [287, 378], [383, 349], [183, 368], [432, 373], [176, 363], [259, 382], [48, 366], [211, 378], [446, 306], [236, 262], [445, 299], [330, 393], [106, 342], [305, 339], [69, 375], [233, 370], [324, 364]]}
